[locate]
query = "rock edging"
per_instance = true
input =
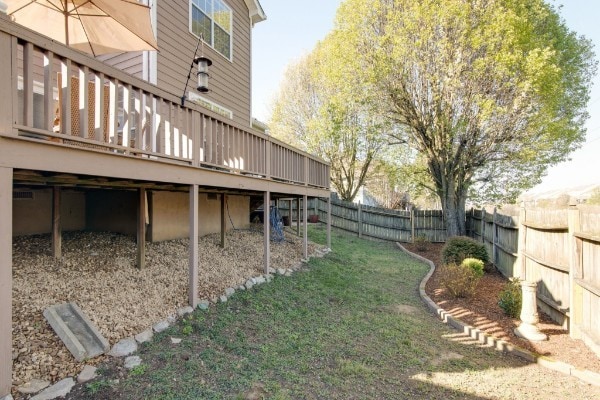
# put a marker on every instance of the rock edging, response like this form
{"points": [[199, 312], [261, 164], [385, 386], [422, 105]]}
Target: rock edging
{"points": [[584, 375]]}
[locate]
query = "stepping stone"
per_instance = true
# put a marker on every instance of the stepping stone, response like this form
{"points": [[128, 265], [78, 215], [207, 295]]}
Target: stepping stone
{"points": [[59, 389], [145, 336], [78, 333], [123, 348], [184, 311], [87, 374], [33, 387], [132, 362], [161, 326]]}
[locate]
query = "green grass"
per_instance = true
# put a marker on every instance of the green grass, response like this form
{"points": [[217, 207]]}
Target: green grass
{"points": [[331, 332]]}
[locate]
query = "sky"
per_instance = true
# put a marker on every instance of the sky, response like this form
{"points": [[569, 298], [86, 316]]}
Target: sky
{"points": [[293, 28]]}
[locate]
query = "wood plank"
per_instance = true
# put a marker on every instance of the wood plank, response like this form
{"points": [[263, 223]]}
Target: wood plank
{"points": [[546, 263], [141, 229], [56, 223], [83, 105], [28, 84], [223, 221], [305, 218], [546, 227], [328, 222], [48, 90], [6, 203], [267, 231], [193, 247], [9, 92]]}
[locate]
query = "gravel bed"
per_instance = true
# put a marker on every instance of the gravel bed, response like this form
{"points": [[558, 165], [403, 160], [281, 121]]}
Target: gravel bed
{"points": [[98, 273]]}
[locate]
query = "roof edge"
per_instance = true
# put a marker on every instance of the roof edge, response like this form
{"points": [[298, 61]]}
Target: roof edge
{"points": [[256, 12]]}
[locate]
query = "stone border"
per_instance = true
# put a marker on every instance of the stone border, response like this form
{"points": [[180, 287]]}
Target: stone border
{"points": [[127, 346], [584, 375]]}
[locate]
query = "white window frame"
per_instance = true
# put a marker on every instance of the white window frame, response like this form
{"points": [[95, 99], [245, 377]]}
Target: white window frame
{"points": [[212, 28], [211, 105]]}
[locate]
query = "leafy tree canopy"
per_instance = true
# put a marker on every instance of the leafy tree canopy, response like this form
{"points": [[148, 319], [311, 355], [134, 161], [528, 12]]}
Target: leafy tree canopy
{"points": [[489, 92]]}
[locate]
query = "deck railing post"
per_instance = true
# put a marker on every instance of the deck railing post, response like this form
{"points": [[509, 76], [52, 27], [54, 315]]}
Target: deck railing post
{"points": [[6, 201], [575, 295], [6, 87]]}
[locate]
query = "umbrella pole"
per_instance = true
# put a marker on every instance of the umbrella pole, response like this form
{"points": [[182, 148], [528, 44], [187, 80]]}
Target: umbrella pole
{"points": [[66, 29]]}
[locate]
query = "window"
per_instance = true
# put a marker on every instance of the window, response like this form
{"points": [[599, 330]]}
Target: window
{"points": [[211, 19]]}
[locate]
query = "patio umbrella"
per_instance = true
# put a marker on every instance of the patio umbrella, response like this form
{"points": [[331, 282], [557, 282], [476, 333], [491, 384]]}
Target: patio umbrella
{"points": [[92, 26]]}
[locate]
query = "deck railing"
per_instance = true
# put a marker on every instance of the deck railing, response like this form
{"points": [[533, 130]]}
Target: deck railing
{"points": [[67, 97]]}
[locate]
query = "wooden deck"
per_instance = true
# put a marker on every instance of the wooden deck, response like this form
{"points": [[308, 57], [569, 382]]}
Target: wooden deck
{"points": [[67, 119]]}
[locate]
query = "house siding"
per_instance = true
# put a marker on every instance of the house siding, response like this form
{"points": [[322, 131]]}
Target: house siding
{"points": [[131, 62], [229, 80]]}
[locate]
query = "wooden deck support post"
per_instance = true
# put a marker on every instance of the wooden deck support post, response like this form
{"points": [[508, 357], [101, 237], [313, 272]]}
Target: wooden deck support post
{"points": [[223, 221], [141, 229], [193, 248], [6, 189], [56, 223], [575, 272], [267, 231], [298, 216], [329, 222], [305, 240]]}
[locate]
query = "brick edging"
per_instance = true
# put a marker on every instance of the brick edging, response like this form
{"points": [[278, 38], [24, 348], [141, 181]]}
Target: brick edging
{"points": [[584, 375]]}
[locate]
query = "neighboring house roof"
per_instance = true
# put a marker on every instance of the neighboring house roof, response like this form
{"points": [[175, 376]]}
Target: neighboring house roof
{"points": [[257, 13]]}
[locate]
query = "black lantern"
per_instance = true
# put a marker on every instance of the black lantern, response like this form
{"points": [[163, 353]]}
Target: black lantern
{"points": [[203, 63]]}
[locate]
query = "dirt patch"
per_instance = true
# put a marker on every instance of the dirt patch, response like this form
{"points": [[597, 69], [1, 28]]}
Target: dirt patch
{"points": [[482, 311], [98, 273]]}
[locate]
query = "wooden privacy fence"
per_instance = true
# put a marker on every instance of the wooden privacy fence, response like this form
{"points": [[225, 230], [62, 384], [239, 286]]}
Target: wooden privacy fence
{"points": [[558, 249], [382, 223]]}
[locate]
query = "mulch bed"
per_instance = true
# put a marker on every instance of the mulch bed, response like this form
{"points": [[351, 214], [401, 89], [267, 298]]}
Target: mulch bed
{"points": [[482, 311]]}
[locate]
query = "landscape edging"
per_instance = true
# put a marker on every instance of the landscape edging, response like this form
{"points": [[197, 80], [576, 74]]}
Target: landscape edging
{"points": [[584, 375]]}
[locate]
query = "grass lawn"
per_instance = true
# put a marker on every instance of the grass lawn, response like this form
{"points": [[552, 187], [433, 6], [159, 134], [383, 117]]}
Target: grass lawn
{"points": [[352, 326]]}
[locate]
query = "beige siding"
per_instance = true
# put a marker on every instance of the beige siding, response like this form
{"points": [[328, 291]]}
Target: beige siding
{"points": [[229, 80], [131, 62]]}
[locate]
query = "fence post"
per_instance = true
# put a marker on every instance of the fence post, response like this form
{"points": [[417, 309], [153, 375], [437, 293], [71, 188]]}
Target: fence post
{"points": [[522, 244], [412, 224], [359, 220], [494, 237], [483, 225], [575, 292]]}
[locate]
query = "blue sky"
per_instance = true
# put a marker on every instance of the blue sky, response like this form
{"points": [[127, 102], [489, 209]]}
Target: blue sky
{"points": [[293, 28]]}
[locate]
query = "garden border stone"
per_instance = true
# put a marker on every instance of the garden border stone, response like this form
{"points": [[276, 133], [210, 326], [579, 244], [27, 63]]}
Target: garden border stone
{"points": [[584, 375]]}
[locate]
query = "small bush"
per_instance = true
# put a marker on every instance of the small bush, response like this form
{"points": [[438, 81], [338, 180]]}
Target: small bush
{"points": [[475, 264], [511, 298], [421, 242], [458, 248], [460, 280]]}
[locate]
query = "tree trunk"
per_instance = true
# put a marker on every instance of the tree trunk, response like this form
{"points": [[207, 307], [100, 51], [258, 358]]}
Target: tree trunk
{"points": [[453, 207]]}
